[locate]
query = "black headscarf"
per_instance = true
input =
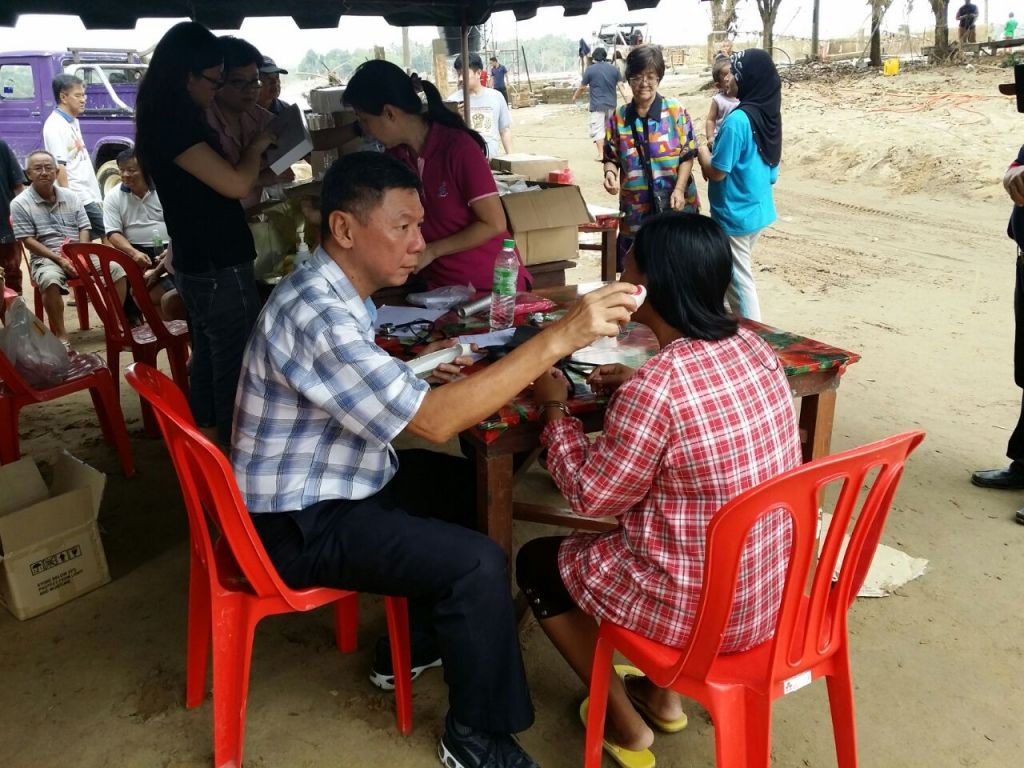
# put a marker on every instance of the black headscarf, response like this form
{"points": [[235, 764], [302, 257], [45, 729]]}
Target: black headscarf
{"points": [[760, 95]]}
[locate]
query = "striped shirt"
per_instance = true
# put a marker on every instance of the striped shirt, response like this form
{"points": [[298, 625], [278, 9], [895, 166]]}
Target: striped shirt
{"points": [[51, 225], [318, 402], [693, 428]]}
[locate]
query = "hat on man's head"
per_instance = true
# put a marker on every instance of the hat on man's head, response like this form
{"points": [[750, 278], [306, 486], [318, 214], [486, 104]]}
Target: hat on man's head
{"points": [[475, 62], [268, 67]]}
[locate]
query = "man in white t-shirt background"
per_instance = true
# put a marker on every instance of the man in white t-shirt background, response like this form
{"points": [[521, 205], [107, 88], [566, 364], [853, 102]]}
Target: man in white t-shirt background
{"points": [[488, 111], [62, 135]]}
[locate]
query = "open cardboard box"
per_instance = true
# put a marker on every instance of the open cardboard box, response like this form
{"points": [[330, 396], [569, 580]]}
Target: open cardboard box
{"points": [[545, 222], [50, 548]]}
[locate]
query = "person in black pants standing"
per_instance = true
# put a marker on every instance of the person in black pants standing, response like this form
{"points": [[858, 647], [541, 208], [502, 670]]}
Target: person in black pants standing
{"points": [[1012, 477]]}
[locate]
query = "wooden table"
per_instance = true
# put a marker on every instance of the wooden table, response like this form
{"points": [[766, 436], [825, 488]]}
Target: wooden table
{"points": [[813, 369], [608, 226]]}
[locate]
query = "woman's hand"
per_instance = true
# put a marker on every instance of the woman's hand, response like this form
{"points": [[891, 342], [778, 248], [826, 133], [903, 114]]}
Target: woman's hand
{"points": [[678, 199], [426, 257], [551, 387], [262, 141], [607, 378], [611, 182]]}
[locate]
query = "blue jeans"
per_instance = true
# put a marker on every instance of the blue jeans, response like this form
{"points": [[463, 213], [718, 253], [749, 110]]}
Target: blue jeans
{"points": [[222, 309]]}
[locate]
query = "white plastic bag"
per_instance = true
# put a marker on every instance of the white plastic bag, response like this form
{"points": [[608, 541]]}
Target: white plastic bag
{"points": [[442, 298], [33, 350]]}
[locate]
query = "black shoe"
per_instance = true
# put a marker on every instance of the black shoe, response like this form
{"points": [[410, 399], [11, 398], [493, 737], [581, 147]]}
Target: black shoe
{"points": [[1019, 517], [1009, 479], [424, 656], [462, 747]]}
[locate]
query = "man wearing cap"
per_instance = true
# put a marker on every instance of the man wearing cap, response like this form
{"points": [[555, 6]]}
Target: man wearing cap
{"points": [[1012, 477], [488, 111], [270, 90]]}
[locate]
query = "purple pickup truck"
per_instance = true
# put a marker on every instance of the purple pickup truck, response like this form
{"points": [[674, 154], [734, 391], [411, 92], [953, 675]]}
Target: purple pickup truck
{"points": [[111, 82]]}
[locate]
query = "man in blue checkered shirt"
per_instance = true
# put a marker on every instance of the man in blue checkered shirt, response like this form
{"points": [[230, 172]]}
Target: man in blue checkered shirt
{"points": [[318, 406]]}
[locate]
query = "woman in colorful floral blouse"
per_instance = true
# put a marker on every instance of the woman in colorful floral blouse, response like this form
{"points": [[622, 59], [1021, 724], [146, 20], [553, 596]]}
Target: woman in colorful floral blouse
{"points": [[649, 150]]}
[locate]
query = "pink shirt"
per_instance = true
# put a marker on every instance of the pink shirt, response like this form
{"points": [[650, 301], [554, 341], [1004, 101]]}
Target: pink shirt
{"points": [[455, 173], [252, 124]]}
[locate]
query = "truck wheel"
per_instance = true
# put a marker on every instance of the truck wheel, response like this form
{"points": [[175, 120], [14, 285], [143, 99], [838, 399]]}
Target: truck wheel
{"points": [[109, 176]]}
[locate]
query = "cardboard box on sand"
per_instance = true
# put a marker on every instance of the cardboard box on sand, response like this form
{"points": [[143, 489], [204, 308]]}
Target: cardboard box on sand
{"points": [[50, 548]]}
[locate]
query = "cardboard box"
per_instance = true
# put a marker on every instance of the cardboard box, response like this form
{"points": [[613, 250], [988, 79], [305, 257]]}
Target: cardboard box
{"points": [[544, 222], [533, 167], [325, 100], [50, 544]]}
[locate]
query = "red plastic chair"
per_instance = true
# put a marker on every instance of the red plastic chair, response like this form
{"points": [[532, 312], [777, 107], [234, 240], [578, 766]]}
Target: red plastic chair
{"points": [[144, 341], [810, 639], [233, 584], [77, 287], [87, 371]]}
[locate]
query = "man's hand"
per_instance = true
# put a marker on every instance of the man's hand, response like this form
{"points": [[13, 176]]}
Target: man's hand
{"points": [[1013, 183], [607, 378], [678, 199], [141, 259], [447, 372], [66, 265], [596, 314], [551, 387]]}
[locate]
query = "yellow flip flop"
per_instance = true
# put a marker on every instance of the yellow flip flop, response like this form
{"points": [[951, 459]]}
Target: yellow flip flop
{"points": [[627, 758], [665, 726]]}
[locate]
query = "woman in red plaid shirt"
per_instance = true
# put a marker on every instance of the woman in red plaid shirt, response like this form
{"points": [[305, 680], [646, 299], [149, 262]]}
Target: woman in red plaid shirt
{"points": [[705, 419]]}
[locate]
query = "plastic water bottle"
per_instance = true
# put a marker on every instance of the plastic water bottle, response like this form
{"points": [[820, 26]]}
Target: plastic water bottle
{"points": [[503, 290], [158, 242], [301, 255]]}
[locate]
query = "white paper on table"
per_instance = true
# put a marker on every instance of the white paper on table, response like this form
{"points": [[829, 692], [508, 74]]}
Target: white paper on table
{"points": [[402, 315]]}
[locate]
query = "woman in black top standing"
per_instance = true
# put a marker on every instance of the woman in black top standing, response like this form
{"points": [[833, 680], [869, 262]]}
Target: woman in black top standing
{"points": [[200, 191]]}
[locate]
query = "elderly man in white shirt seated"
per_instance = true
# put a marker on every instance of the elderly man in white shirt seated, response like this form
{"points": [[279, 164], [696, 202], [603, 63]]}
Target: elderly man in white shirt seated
{"points": [[134, 221]]}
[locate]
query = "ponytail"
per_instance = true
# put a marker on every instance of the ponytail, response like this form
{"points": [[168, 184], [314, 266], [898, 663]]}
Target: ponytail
{"points": [[437, 112], [378, 82]]}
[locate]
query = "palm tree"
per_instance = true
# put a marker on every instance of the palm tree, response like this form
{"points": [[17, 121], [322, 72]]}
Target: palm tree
{"points": [[768, 9], [878, 9], [941, 10], [723, 16]]}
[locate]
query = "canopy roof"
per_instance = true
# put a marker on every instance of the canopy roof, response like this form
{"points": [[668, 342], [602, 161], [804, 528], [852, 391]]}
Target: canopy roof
{"points": [[308, 14]]}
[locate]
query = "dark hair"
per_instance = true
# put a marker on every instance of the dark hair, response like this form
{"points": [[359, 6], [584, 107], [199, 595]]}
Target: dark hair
{"points": [[599, 54], [186, 49], [721, 62], [645, 57], [475, 62], [238, 52], [377, 83], [494, 58], [688, 264], [63, 83], [357, 182], [125, 155]]}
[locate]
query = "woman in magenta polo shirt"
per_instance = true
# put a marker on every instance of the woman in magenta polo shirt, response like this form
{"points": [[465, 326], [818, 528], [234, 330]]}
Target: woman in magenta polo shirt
{"points": [[464, 222]]}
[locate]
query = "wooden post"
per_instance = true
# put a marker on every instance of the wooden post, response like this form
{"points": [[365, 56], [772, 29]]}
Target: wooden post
{"points": [[465, 68], [441, 68], [406, 58], [378, 52]]}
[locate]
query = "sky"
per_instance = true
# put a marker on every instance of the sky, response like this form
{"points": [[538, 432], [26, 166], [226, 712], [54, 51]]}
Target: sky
{"points": [[676, 22]]}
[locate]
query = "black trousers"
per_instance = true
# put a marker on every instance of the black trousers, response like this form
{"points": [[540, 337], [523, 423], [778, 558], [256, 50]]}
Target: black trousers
{"points": [[1015, 447], [412, 540]]}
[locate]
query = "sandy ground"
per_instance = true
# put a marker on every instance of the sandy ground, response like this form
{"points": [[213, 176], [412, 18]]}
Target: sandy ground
{"points": [[890, 242]]}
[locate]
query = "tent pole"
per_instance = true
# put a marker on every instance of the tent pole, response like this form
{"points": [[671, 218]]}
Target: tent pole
{"points": [[465, 69]]}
